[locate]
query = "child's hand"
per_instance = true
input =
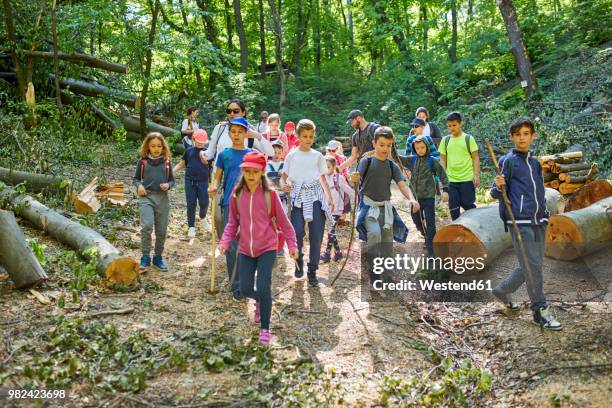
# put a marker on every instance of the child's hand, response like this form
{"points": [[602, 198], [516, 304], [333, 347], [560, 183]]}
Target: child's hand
{"points": [[222, 251], [164, 186], [476, 181], [293, 254], [141, 191], [355, 176], [203, 157], [415, 206], [212, 191], [444, 197], [287, 187], [330, 204], [500, 181]]}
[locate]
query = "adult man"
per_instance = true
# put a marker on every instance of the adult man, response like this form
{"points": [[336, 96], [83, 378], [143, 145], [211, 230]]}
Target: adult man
{"points": [[362, 141]]}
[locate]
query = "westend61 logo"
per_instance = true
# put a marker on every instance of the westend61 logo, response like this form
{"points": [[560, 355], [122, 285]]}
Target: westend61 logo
{"points": [[411, 264]]}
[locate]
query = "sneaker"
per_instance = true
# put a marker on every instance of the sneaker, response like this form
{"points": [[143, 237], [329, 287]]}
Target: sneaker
{"points": [[145, 261], [158, 262], [325, 257], [543, 317], [337, 256], [299, 268], [191, 233], [257, 313], [264, 337], [236, 297], [205, 225], [505, 299], [313, 282]]}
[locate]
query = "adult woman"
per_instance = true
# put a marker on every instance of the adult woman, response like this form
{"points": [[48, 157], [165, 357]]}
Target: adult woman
{"points": [[430, 129], [190, 125]]}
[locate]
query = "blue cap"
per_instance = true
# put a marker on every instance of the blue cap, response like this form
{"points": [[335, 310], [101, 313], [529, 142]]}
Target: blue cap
{"points": [[240, 121], [418, 122]]}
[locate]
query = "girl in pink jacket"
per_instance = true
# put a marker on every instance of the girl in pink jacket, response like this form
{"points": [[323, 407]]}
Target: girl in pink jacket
{"points": [[339, 188], [255, 218]]}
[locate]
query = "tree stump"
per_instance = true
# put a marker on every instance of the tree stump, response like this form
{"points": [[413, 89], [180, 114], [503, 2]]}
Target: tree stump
{"points": [[589, 194]]}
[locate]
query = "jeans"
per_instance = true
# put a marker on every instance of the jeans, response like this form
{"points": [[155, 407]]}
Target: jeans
{"points": [[316, 228], [263, 264], [196, 191], [230, 256], [460, 195], [428, 213], [379, 242]]}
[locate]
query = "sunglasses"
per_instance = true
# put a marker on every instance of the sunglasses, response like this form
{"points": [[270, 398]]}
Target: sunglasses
{"points": [[234, 111]]}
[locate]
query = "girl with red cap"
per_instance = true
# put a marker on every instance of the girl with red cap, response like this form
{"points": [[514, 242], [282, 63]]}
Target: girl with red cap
{"points": [[255, 218], [292, 139]]}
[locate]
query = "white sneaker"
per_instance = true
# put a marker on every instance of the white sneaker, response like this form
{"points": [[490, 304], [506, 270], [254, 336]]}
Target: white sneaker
{"points": [[192, 232], [205, 225], [546, 320]]}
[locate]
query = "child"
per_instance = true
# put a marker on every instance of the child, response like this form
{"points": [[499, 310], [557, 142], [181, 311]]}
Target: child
{"points": [[303, 176], [273, 170], [228, 169], [339, 189], [256, 208], [196, 181], [292, 139], [521, 175], [189, 126], [273, 134], [153, 179], [378, 223], [424, 168], [459, 156], [334, 149]]}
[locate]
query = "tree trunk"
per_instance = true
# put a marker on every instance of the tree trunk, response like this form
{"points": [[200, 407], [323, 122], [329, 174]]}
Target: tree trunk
{"points": [[16, 256], [58, 91], [569, 188], [10, 33], [578, 233], [244, 47], [197, 72], [316, 33], [68, 99], [382, 19], [557, 158], [479, 233], [519, 52], [228, 24], [132, 124], [470, 10], [581, 176], [35, 182], [211, 36], [149, 61], [262, 37], [452, 52], [111, 264], [351, 29], [589, 194], [425, 23], [95, 89], [278, 46], [30, 65], [566, 168], [87, 60]]}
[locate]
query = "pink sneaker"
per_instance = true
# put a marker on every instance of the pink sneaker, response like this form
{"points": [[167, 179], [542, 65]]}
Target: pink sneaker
{"points": [[257, 313], [264, 337]]}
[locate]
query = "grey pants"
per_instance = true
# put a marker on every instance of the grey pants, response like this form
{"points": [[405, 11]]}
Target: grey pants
{"points": [[533, 242], [379, 242], [154, 212]]}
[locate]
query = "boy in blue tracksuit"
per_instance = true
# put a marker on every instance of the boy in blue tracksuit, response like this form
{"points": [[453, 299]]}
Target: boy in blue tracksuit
{"points": [[522, 178]]}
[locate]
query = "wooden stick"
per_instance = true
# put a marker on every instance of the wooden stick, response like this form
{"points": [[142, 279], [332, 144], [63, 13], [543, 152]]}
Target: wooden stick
{"points": [[213, 265]]}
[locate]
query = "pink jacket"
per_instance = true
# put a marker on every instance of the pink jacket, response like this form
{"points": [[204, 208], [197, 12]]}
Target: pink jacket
{"points": [[283, 138], [253, 227], [340, 158], [337, 196]]}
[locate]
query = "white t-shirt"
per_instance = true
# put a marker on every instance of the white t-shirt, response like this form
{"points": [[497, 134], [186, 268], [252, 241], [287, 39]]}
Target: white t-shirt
{"points": [[426, 130], [185, 126], [304, 167]]}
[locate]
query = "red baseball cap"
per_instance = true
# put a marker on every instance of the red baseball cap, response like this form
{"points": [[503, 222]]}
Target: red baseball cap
{"points": [[200, 136], [290, 125], [254, 160]]}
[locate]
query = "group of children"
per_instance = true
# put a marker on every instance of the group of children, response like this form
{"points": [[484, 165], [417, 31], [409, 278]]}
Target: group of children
{"points": [[311, 191]]}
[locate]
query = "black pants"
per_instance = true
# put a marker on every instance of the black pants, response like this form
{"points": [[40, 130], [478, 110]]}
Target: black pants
{"points": [[428, 214], [460, 195]]}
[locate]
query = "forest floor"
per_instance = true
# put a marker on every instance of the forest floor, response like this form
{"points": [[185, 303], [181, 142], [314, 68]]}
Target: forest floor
{"points": [[365, 353]]}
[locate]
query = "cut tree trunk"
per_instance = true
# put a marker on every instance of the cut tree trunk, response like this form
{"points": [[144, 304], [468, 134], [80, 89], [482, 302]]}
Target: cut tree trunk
{"points": [[86, 201], [95, 89], [84, 59], [479, 233], [132, 124], [569, 188], [589, 194], [559, 158], [69, 99], [566, 168], [581, 176], [35, 182], [554, 184], [578, 233], [116, 268], [548, 177], [15, 254]]}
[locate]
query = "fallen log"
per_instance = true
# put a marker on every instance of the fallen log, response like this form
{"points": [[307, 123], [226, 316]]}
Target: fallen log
{"points": [[578, 233], [35, 182], [566, 168], [85, 59], [479, 233], [569, 188], [86, 201], [581, 176], [548, 177], [554, 184], [96, 89], [15, 255], [560, 156], [132, 124], [116, 268], [589, 194]]}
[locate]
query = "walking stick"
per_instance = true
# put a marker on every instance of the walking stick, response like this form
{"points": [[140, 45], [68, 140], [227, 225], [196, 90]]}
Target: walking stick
{"points": [[213, 266], [519, 237]]}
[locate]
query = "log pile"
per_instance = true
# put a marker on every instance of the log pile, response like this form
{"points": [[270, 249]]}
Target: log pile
{"points": [[113, 192], [567, 172], [87, 200]]}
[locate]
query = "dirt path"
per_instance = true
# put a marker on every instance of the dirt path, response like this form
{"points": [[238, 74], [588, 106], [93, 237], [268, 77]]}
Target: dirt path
{"points": [[364, 343]]}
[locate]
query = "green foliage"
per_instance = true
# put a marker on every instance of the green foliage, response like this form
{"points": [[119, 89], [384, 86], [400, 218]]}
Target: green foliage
{"points": [[73, 272], [38, 250]]}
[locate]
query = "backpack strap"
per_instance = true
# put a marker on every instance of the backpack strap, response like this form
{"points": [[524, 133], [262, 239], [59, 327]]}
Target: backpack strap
{"points": [[270, 168], [167, 169], [365, 172], [336, 181], [143, 164], [467, 143]]}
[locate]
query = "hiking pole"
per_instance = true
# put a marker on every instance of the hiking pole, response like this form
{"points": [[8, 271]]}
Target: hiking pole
{"points": [[515, 227], [213, 266]]}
